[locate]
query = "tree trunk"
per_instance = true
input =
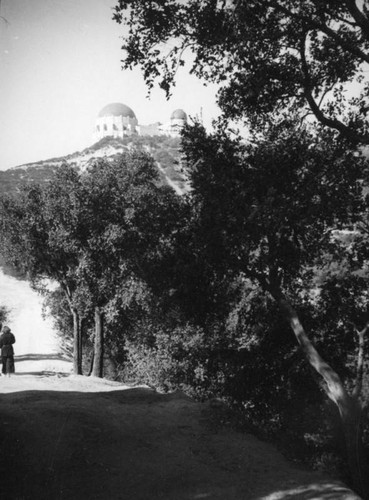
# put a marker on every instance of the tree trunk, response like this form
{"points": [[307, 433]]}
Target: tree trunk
{"points": [[80, 345], [356, 455], [77, 355], [97, 370], [77, 342], [91, 364], [349, 408]]}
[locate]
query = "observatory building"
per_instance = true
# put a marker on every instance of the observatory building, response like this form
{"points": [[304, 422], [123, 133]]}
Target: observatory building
{"points": [[119, 120], [115, 120], [178, 120]]}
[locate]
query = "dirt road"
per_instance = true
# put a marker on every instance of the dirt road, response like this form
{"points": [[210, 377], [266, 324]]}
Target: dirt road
{"points": [[74, 438]]}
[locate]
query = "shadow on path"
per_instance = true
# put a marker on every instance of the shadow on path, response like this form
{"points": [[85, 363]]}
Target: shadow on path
{"points": [[136, 444], [40, 357], [42, 373]]}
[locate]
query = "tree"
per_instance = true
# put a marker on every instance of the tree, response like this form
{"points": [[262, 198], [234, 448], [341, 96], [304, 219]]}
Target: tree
{"points": [[128, 221], [269, 57], [95, 234], [37, 229], [268, 212]]}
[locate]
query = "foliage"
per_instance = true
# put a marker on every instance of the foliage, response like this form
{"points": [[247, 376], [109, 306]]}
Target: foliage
{"points": [[268, 209], [127, 215], [34, 227], [252, 363], [12, 179], [169, 360], [103, 236], [268, 57], [265, 218], [5, 312]]}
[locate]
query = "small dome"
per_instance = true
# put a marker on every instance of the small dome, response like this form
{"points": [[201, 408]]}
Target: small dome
{"points": [[116, 109], [178, 114]]}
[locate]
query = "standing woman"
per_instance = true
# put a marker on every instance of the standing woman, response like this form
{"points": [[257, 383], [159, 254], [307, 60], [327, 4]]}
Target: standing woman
{"points": [[7, 340]]}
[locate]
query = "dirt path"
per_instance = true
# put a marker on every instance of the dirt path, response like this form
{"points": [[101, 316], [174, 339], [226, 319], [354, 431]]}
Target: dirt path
{"points": [[73, 438]]}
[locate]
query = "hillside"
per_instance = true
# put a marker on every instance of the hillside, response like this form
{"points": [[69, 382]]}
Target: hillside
{"points": [[165, 150]]}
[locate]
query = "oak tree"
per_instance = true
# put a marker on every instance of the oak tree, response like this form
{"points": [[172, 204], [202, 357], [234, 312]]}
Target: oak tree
{"points": [[268, 57], [270, 212], [38, 230]]}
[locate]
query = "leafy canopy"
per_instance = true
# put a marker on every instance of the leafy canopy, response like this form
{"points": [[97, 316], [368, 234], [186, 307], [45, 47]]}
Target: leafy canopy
{"points": [[268, 56], [268, 210]]}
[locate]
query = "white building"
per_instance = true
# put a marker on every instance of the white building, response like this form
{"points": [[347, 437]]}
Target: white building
{"points": [[178, 120], [115, 120], [119, 120]]}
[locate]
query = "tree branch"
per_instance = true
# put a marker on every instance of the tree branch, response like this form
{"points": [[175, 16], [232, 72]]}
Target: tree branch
{"points": [[359, 16], [329, 122], [360, 362], [333, 386], [312, 23]]}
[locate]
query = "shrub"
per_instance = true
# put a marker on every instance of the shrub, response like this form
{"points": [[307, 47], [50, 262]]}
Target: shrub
{"points": [[178, 359]]}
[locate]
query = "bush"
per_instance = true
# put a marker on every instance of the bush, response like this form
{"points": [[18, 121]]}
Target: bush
{"points": [[176, 360]]}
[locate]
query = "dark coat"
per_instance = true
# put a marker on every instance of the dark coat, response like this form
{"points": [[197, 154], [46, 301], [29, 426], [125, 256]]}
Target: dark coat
{"points": [[6, 344]]}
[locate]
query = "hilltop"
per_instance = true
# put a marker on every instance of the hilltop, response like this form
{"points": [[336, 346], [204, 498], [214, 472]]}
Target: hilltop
{"points": [[165, 150]]}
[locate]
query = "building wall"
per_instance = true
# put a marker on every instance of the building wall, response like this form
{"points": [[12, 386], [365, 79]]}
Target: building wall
{"points": [[121, 126], [152, 129], [115, 126], [173, 128]]}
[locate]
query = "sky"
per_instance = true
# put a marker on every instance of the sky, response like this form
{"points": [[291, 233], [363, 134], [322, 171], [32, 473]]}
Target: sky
{"points": [[60, 63]]}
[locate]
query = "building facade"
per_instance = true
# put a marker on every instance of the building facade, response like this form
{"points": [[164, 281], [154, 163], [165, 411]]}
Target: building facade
{"points": [[119, 120], [115, 120]]}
